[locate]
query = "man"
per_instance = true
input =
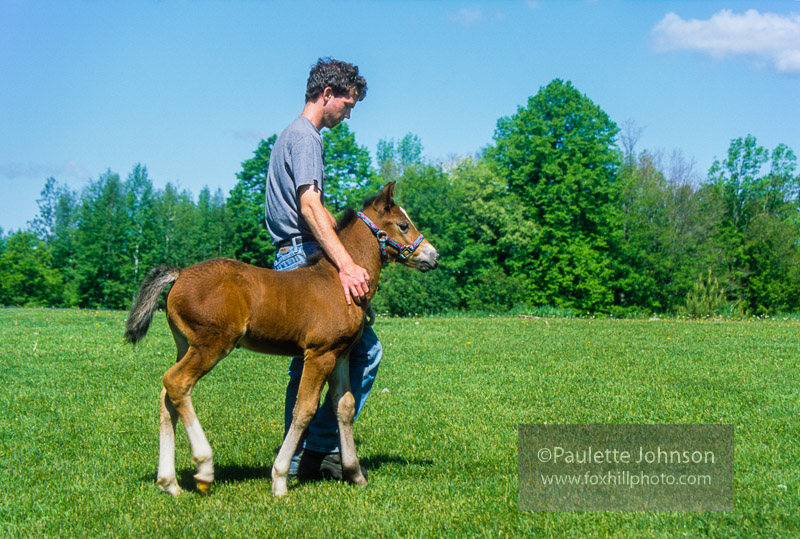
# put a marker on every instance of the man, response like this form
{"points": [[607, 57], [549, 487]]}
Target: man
{"points": [[300, 225]]}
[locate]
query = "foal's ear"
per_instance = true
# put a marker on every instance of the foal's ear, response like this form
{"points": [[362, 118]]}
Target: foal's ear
{"points": [[385, 199]]}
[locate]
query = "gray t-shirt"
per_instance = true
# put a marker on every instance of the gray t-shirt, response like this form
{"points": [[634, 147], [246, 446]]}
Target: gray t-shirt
{"points": [[296, 160]]}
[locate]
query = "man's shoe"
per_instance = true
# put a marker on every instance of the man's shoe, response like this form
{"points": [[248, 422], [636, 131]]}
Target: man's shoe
{"points": [[318, 465], [315, 465], [331, 466]]}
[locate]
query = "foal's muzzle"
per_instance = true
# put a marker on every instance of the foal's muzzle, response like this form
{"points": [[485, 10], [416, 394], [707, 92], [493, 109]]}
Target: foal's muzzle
{"points": [[427, 258]]}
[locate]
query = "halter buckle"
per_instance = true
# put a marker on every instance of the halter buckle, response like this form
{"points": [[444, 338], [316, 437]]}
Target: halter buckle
{"points": [[404, 252]]}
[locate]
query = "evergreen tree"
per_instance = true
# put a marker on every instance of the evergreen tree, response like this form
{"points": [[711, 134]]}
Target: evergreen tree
{"points": [[102, 253], [215, 228], [176, 225], [251, 241], [56, 225], [140, 206]]}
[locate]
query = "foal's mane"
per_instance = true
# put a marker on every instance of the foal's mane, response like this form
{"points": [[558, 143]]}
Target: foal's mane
{"points": [[347, 217], [343, 222]]}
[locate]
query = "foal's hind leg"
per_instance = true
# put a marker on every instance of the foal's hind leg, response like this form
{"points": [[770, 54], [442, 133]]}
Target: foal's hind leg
{"points": [[344, 403], [178, 384], [166, 479], [315, 371]]}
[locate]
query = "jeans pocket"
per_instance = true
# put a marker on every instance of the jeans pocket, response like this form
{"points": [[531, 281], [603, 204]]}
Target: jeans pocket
{"points": [[290, 261]]}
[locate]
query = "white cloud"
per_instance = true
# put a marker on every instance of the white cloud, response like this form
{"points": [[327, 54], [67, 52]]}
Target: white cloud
{"points": [[38, 171], [249, 134], [758, 36], [468, 16]]}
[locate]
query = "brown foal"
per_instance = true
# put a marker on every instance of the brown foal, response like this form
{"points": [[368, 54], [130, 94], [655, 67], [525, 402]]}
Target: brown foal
{"points": [[221, 304]]}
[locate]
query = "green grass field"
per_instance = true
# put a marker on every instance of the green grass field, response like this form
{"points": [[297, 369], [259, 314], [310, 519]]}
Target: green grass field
{"points": [[79, 427]]}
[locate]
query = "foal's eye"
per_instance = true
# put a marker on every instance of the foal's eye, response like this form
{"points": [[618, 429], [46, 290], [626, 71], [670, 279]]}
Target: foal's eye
{"points": [[403, 227]]}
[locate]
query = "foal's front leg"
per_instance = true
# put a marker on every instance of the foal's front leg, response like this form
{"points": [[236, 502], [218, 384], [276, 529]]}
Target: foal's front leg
{"points": [[315, 371], [343, 400]]}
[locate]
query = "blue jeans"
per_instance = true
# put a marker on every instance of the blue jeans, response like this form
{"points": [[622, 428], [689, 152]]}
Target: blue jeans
{"points": [[323, 432]]}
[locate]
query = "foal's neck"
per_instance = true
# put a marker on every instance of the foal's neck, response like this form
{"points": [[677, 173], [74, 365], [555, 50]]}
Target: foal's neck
{"points": [[362, 245]]}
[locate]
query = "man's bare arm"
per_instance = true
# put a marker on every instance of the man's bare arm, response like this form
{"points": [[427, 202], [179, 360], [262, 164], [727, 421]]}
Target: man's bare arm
{"points": [[354, 278]]}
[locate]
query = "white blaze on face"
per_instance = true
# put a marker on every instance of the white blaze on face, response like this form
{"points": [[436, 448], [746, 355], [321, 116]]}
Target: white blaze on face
{"points": [[425, 247], [426, 251], [407, 217]]}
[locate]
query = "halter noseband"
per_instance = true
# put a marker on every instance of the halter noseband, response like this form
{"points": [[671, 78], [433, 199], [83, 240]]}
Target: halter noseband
{"points": [[404, 252]]}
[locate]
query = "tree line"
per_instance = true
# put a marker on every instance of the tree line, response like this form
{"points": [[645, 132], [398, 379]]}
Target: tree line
{"points": [[560, 212]]}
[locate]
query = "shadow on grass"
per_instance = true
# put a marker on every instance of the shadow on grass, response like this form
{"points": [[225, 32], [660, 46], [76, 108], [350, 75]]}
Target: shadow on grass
{"points": [[378, 461], [233, 473], [222, 474]]}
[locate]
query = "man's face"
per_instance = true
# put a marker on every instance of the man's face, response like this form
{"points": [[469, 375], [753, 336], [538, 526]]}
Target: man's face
{"points": [[337, 108]]}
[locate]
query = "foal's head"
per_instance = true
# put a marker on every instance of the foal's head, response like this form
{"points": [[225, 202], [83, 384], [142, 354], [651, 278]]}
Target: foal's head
{"points": [[404, 242]]}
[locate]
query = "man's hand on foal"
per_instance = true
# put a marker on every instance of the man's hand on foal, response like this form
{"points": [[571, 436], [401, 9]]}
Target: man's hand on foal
{"points": [[355, 282]]}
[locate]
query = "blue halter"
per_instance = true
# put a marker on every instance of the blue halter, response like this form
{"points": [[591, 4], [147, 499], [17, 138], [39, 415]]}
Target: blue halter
{"points": [[404, 252]]}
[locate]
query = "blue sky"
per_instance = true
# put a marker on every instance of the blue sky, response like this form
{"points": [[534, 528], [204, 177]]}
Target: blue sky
{"points": [[188, 88]]}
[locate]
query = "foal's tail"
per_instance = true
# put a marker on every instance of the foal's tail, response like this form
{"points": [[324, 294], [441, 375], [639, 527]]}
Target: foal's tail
{"points": [[147, 301]]}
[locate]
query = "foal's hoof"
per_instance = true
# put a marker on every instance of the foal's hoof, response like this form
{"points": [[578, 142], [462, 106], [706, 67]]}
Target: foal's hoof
{"points": [[168, 486], [203, 487], [360, 480], [279, 488]]}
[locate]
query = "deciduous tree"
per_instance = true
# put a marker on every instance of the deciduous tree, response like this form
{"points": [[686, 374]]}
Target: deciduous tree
{"points": [[348, 169], [559, 156], [27, 277]]}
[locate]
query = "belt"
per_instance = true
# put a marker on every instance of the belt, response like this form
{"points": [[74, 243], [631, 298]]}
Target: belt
{"points": [[294, 241]]}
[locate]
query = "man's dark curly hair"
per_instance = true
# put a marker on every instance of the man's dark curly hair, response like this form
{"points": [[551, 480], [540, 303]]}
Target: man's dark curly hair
{"points": [[340, 76]]}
